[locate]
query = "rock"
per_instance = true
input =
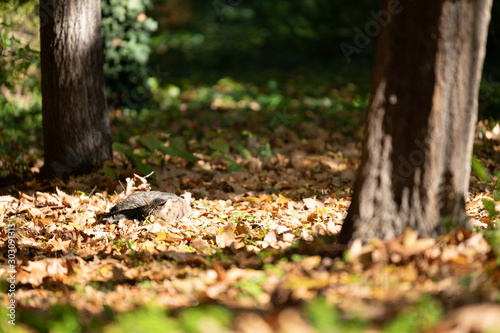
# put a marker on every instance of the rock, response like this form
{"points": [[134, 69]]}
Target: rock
{"points": [[162, 205]]}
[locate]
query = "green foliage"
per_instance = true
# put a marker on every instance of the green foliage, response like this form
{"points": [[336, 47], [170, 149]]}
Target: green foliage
{"points": [[126, 32], [267, 33], [489, 205], [60, 318], [110, 172], [219, 144], [421, 317], [125, 24], [225, 118], [205, 318], [17, 57], [150, 141], [277, 72], [176, 149], [325, 317], [144, 320], [5, 326], [20, 97], [298, 257], [481, 171], [492, 232]]}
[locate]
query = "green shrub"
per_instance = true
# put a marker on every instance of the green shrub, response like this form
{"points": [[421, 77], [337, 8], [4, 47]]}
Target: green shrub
{"points": [[126, 32]]}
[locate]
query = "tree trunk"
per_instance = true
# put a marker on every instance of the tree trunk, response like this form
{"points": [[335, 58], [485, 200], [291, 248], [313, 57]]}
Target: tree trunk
{"points": [[416, 156], [75, 118]]}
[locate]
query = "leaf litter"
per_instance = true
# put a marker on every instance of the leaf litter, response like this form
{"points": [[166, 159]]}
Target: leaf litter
{"points": [[260, 243]]}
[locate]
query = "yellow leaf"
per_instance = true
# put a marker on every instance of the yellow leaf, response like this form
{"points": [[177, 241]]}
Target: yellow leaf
{"points": [[410, 237], [281, 199], [252, 199], [46, 220], [149, 246]]}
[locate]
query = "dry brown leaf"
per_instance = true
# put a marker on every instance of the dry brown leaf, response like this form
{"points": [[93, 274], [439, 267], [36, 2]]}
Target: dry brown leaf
{"points": [[226, 235], [291, 321], [367, 283], [58, 244], [270, 238], [47, 199], [471, 318], [35, 271], [66, 199], [313, 204], [494, 134], [251, 323]]}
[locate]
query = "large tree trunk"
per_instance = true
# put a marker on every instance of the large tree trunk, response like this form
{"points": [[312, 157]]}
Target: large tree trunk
{"points": [[75, 118], [417, 152]]}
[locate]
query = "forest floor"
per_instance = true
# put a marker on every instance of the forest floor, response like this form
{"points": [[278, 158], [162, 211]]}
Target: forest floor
{"points": [[256, 254], [266, 157]]}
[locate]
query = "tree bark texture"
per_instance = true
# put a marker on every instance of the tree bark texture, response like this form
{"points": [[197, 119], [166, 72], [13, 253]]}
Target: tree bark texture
{"points": [[417, 151], [75, 119]]}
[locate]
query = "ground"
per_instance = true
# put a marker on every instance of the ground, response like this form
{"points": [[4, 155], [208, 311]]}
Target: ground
{"points": [[258, 252]]}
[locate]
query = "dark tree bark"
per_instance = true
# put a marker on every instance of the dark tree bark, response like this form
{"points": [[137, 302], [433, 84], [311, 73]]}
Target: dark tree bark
{"points": [[75, 118], [417, 152]]}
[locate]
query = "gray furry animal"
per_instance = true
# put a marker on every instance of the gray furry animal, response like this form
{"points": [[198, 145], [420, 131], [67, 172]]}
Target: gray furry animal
{"points": [[165, 206]]}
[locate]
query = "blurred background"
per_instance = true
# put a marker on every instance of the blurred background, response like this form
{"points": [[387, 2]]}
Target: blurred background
{"points": [[211, 77]]}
